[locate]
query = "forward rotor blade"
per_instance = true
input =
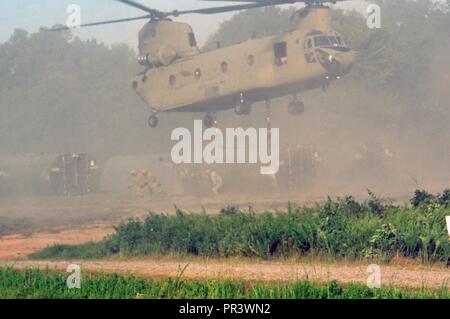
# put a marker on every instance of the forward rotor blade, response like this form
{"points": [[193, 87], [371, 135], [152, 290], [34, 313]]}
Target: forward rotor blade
{"points": [[266, 2], [156, 14], [307, 2], [233, 1], [137, 5], [230, 8], [103, 23]]}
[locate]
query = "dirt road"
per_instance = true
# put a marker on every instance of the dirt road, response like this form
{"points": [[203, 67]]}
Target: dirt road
{"points": [[250, 270]]}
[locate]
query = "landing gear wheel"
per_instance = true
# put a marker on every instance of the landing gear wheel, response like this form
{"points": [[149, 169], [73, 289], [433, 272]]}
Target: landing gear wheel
{"points": [[296, 108], [153, 121], [209, 120], [243, 108]]}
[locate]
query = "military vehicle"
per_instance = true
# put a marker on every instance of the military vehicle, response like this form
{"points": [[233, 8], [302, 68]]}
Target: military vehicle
{"points": [[74, 174], [299, 167], [42, 174], [179, 77]]}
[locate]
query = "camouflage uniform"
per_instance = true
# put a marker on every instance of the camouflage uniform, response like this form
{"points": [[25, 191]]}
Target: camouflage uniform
{"points": [[216, 180], [153, 185], [139, 182]]}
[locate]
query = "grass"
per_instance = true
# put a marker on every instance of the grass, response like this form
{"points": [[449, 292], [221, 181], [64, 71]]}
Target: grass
{"points": [[37, 284], [335, 229]]}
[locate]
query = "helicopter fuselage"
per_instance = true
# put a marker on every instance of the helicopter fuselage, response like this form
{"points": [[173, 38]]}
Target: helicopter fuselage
{"points": [[257, 70]]}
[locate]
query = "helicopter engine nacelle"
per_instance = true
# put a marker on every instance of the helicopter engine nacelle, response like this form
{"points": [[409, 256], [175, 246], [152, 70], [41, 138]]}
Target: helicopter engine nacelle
{"points": [[166, 54], [313, 18], [161, 42]]}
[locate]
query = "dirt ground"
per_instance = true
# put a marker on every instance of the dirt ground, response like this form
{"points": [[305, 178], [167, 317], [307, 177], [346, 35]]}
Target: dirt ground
{"points": [[104, 207], [253, 270], [18, 246], [49, 214]]}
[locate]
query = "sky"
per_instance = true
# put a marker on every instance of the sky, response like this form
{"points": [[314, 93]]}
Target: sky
{"points": [[32, 14]]}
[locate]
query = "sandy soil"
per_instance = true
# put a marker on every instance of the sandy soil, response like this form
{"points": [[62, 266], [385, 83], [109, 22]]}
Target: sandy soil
{"points": [[19, 246], [250, 270]]}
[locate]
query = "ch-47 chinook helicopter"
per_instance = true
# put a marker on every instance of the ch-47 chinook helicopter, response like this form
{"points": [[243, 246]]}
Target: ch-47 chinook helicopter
{"points": [[178, 77]]}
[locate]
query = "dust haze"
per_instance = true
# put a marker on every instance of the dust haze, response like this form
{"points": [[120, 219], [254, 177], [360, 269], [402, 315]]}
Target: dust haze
{"points": [[384, 127]]}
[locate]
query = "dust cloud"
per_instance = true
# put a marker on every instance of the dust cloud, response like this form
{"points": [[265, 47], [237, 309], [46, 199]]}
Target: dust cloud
{"points": [[387, 131]]}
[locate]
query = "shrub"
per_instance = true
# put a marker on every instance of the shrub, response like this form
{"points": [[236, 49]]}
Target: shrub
{"points": [[375, 205], [229, 210], [421, 197], [343, 228], [384, 243], [444, 198]]}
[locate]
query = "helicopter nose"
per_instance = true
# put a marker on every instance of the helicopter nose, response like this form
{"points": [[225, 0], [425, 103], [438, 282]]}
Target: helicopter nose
{"points": [[336, 62]]}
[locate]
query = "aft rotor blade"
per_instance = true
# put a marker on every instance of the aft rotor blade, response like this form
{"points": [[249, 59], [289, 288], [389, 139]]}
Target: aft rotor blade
{"points": [[103, 23]]}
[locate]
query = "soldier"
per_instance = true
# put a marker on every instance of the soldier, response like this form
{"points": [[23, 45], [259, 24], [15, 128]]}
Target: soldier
{"points": [[216, 181], [362, 154], [153, 185], [317, 157], [139, 182], [388, 153]]}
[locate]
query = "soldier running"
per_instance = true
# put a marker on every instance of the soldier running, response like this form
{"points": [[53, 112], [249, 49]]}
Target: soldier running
{"points": [[216, 181], [153, 185], [139, 181]]}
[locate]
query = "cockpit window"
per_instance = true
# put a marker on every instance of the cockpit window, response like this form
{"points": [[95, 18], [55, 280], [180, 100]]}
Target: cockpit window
{"points": [[337, 41], [328, 41], [321, 41], [334, 41], [192, 40]]}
